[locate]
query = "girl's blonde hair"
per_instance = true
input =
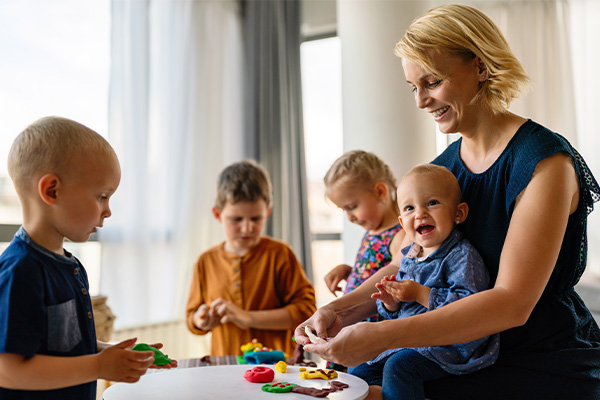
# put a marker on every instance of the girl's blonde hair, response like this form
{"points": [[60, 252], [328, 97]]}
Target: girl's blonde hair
{"points": [[466, 31], [361, 169]]}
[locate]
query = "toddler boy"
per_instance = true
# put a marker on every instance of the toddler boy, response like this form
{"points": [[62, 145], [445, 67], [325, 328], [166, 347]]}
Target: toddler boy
{"points": [[64, 174], [250, 286]]}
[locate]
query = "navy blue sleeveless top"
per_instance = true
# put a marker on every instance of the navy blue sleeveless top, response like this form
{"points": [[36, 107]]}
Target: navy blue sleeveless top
{"points": [[560, 331]]}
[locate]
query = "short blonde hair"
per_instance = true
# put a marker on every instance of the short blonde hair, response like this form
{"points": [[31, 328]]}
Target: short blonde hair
{"points": [[244, 181], [362, 170], [443, 175], [52, 145], [466, 31]]}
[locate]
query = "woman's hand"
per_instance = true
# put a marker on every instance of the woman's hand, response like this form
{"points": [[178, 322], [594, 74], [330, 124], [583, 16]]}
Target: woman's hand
{"points": [[335, 276], [325, 323], [353, 345]]}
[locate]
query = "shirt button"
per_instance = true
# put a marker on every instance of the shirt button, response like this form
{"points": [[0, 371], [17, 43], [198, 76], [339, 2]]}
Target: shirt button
{"points": [[83, 291], [237, 284], [236, 270], [90, 315], [76, 271]]}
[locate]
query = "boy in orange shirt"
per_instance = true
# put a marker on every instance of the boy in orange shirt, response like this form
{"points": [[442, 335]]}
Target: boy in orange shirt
{"points": [[250, 286]]}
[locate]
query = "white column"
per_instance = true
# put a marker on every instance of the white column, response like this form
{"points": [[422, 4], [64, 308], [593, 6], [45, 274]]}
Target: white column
{"points": [[378, 107]]}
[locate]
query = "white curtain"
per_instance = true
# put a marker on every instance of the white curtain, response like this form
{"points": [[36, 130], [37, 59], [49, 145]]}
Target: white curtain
{"points": [[175, 120]]}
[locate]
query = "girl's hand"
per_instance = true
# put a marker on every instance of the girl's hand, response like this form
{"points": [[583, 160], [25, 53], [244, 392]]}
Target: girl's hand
{"points": [[389, 301], [229, 312], [205, 318], [335, 276], [407, 291]]}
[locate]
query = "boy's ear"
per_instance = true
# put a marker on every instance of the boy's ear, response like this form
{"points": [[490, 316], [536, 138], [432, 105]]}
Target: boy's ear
{"points": [[216, 213], [400, 220], [47, 187], [462, 210], [269, 210]]}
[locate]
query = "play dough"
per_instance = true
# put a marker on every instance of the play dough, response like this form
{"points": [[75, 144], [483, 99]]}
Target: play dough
{"points": [[259, 374], [281, 366], [313, 338], [159, 357], [280, 387], [319, 374]]}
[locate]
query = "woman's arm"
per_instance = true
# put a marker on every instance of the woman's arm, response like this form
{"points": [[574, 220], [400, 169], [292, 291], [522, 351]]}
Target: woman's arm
{"points": [[528, 257]]}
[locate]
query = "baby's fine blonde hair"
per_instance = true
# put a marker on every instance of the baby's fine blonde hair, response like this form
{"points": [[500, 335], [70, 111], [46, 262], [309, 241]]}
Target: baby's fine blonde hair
{"points": [[52, 145], [362, 170], [467, 32], [443, 177], [244, 181]]}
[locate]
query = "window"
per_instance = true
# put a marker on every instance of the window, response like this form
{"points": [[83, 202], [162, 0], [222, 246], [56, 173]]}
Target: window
{"points": [[321, 92], [56, 59]]}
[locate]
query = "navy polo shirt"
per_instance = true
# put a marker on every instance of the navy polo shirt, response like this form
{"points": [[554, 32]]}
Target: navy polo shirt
{"points": [[45, 308]]}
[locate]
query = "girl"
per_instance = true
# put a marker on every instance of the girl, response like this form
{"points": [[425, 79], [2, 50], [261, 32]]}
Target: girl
{"points": [[364, 187]]}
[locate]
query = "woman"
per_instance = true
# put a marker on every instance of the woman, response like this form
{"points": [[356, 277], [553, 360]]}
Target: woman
{"points": [[529, 194]]}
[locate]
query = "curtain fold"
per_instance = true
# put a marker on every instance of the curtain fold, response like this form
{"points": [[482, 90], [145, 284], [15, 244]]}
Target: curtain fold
{"points": [[274, 129], [175, 120]]}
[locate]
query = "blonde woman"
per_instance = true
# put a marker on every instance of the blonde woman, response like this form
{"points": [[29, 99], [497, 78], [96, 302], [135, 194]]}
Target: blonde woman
{"points": [[530, 193]]}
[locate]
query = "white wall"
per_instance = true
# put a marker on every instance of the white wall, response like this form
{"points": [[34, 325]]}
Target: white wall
{"points": [[379, 112]]}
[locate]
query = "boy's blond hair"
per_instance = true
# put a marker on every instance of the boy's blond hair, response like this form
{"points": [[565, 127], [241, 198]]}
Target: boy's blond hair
{"points": [[466, 31], [52, 145], [362, 170], [244, 181], [443, 175]]}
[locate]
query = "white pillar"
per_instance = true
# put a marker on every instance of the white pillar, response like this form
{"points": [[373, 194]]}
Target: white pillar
{"points": [[378, 107]]}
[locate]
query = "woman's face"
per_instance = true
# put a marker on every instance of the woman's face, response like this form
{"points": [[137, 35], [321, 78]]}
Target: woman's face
{"points": [[447, 100]]}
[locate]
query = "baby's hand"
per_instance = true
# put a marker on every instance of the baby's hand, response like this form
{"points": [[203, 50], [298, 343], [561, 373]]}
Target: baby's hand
{"points": [[335, 276], [407, 291], [119, 363], [389, 301], [229, 312], [205, 318]]}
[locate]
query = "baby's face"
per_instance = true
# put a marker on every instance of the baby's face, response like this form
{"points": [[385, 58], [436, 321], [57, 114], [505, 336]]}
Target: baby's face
{"points": [[83, 197], [428, 210]]}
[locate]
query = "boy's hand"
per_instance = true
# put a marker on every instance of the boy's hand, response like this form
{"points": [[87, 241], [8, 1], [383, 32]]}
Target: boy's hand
{"points": [[121, 364], [166, 366], [407, 291], [205, 318], [335, 276], [229, 312], [388, 299]]}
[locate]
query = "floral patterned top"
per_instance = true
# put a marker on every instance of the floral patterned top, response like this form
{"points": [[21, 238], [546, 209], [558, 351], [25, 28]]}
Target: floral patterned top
{"points": [[373, 254]]}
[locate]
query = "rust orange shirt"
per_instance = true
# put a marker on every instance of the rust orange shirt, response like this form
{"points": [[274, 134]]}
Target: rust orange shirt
{"points": [[267, 277]]}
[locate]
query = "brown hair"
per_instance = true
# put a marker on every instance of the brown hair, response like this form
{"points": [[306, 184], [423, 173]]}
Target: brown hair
{"points": [[467, 32], [243, 181]]}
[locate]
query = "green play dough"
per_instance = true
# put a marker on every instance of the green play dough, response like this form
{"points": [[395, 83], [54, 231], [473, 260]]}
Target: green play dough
{"points": [[159, 357], [281, 387]]}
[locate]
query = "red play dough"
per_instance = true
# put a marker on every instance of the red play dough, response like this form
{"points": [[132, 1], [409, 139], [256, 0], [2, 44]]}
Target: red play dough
{"points": [[259, 374]]}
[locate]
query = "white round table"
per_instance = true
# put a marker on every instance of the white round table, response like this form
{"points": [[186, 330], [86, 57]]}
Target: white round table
{"points": [[225, 382]]}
